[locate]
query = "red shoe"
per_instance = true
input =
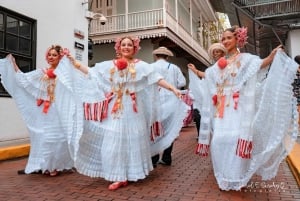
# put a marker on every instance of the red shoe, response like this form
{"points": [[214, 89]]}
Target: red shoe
{"points": [[53, 173], [116, 185]]}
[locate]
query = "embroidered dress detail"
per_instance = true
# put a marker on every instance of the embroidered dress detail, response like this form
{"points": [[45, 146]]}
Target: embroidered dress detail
{"points": [[126, 73], [228, 69], [48, 83]]}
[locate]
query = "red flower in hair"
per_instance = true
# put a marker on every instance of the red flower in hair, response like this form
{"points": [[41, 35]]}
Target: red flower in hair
{"points": [[121, 64], [241, 34], [222, 63], [66, 51]]}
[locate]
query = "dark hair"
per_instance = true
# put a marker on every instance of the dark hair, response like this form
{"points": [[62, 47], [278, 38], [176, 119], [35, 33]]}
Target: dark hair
{"points": [[162, 56], [232, 29], [57, 48], [297, 59]]}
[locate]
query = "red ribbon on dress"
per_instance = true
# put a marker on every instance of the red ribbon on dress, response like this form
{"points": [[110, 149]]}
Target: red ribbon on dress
{"points": [[244, 148], [99, 110], [156, 130], [108, 96], [221, 106], [46, 103], [215, 100], [236, 96], [202, 149], [133, 98]]}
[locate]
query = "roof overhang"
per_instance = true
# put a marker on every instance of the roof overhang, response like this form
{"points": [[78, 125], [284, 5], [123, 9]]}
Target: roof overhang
{"points": [[194, 51]]}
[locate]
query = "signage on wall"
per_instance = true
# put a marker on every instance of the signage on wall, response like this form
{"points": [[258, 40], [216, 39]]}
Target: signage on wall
{"points": [[79, 45], [78, 34], [78, 55]]}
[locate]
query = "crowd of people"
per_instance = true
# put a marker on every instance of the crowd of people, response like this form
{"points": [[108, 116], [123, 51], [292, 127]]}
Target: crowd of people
{"points": [[117, 121]]}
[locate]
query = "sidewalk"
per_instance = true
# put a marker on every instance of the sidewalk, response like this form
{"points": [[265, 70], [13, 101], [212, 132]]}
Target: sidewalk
{"points": [[190, 178]]}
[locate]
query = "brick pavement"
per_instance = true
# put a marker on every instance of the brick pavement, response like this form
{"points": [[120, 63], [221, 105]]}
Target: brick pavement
{"points": [[190, 178]]}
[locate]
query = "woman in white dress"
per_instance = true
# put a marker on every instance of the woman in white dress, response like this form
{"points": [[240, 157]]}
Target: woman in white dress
{"points": [[249, 126], [36, 96], [120, 105]]}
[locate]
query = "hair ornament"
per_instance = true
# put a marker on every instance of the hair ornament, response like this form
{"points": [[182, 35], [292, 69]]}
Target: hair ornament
{"points": [[241, 35]]}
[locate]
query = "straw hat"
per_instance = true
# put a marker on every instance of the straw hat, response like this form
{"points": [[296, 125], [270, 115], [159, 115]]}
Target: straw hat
{"points": [[214, 47], [163, 50]]}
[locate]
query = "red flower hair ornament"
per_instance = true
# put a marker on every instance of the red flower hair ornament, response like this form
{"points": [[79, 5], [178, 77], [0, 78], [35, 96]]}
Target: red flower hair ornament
{"points": [[241, 35]]}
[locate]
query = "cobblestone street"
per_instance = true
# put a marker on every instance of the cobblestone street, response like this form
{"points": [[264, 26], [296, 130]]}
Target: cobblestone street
{"points": [[189, 178]]}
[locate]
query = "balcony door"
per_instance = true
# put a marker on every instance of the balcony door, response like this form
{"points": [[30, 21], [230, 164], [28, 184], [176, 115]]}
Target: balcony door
{"points": [[106, 7]]}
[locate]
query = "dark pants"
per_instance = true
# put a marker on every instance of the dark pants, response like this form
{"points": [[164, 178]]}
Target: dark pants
{"points": [[166, 157], [197, 119]]}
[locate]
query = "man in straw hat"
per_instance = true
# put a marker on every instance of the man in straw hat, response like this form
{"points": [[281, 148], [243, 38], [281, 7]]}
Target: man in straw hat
{"points": [[173, 75], [296, 85], [215, 52]]}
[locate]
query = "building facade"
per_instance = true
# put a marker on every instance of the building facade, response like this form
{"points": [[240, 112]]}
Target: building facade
{"points": [[27, 29], [186, 27]]}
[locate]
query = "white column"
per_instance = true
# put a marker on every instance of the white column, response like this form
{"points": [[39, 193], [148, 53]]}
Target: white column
{"points": [[293, 42], [126, 15]]}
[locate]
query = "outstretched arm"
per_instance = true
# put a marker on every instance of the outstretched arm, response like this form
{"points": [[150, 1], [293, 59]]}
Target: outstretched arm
{"points": [[78, 65], [268, 60], [16, 67], [168, 86], [197, 72]]}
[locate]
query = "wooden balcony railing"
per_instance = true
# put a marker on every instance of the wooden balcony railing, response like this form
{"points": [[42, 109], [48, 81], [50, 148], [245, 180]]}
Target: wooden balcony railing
{"points": [[150, 19]]}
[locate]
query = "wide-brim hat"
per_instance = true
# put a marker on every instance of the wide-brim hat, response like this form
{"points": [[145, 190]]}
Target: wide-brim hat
{"points": [[163, 51], [216, 46]]}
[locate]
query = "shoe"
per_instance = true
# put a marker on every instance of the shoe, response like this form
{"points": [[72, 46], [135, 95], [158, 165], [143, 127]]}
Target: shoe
{"points": [[116, 185], [164, 163], [35, 172], [46, 172], [53, 173], [21, 171]]}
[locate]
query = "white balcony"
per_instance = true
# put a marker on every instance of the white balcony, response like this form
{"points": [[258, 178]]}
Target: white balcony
{"points": [[152, 24]]}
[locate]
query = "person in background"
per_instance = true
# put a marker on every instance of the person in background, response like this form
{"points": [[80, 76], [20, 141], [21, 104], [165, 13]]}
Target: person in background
{"points": [[173, 75], [39, 100], [296, 84], [247, 134], [120, 105], [215, 52]]}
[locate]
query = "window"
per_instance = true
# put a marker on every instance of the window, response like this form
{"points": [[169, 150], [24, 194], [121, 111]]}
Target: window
{"points": [[17, 36]]}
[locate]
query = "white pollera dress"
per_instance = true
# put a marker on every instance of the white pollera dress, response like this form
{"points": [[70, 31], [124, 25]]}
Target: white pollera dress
{"points": [[120, 107], [48, 139], [250, 125]]}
